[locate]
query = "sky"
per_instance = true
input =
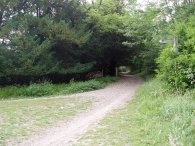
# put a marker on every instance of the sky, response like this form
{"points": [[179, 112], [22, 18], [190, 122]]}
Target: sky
{"points": [[141, 3]]}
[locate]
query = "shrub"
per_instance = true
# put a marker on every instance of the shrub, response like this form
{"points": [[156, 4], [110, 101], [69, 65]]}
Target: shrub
{"points": [[42, 89], [107, 80], [11, 91], [177, 69], [46, 88], [83, 86]]}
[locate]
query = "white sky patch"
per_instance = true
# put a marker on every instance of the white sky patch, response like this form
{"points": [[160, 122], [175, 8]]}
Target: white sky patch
{"points": [[89, 1], [142, 4]]}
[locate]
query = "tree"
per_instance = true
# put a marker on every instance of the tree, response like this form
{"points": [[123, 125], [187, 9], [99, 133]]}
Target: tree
{"points": [[177, 68], [41, 43], [106, 20]]}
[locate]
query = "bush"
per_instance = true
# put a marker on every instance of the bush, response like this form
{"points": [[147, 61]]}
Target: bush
{"points": [[107, 80], [83, 86], [46, 88], [177, 69], [98, 83], [42, 89]]}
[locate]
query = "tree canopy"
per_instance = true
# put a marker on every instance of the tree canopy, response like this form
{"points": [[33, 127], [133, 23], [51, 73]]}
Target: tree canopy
{"points": [[45, 37]]}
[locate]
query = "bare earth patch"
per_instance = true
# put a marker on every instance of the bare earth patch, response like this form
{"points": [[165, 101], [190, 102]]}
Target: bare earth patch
{"points": [[104, 101]]}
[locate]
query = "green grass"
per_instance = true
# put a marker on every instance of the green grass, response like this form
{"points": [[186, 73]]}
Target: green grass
{"points": [[155, 117], [46, 88], [24, 117], [21, 118]]}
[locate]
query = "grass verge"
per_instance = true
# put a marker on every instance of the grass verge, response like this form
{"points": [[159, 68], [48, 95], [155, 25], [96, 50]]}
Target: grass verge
{"points": [[155, 117], [23, 117], [46, 88]]}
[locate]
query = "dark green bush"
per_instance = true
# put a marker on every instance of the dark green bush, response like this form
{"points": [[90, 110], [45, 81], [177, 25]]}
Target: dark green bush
{"points": [[177, 69]]}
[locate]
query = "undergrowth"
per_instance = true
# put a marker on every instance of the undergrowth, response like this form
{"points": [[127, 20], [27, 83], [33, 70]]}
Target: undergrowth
{"points": [[157, 116], [46, 88]]}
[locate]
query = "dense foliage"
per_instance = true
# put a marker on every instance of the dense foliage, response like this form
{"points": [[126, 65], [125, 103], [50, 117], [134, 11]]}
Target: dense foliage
{"points": [[177, 68], [42, 38], [58, 40], [47, 88], [157, 116]]}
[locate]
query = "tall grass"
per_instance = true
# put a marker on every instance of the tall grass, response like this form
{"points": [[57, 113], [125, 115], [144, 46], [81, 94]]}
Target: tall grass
{"points": [[46, 88], [157, 116], [168, 117]]}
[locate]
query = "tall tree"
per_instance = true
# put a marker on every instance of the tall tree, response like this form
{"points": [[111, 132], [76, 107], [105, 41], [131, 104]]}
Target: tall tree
{"points": [[106, 20]]}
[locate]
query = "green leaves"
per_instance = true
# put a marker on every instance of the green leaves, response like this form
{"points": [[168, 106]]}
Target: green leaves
{"points": [[33, 42], [108, 16], [177, 69], [63, 36]]}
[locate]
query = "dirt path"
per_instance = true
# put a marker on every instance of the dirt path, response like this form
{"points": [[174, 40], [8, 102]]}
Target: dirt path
{"points": [[112, 97]]}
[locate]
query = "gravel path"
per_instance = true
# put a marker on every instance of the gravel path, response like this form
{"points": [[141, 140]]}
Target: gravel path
{"points": [[105, 100]]}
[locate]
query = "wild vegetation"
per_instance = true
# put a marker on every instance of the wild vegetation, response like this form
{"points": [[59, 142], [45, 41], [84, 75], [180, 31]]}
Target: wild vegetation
{"points": [[46, 39], [48, 89], [176, 67], [53, 47], [61, 39], [156, 116]]}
